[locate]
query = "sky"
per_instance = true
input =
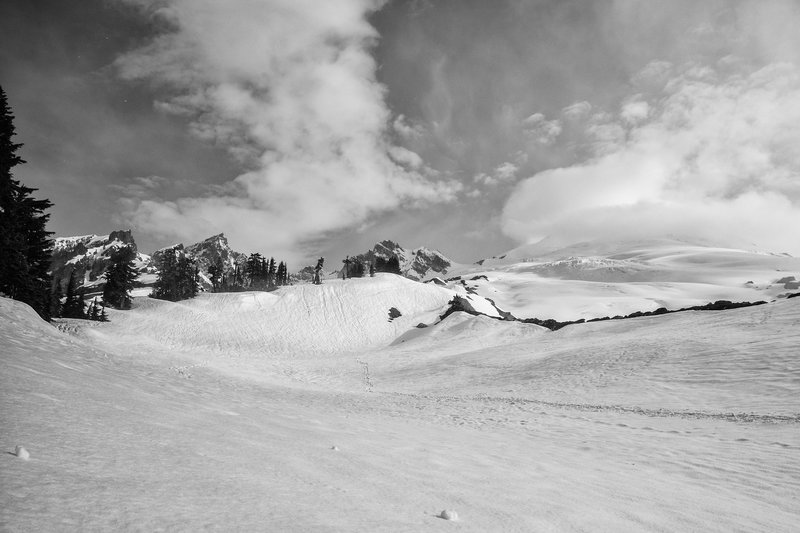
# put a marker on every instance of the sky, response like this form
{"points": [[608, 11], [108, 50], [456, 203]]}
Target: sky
{"points": [[302, 128]]}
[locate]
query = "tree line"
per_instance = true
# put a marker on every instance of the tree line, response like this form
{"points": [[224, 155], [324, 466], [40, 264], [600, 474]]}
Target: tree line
{"points": [[255, 273], [357, 267]]}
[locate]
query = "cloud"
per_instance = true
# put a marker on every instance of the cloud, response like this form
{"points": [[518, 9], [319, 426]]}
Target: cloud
{"points": [[406, 157], [289, 88], [504, 173], [711, 156], [577, 111], [541, 130]]}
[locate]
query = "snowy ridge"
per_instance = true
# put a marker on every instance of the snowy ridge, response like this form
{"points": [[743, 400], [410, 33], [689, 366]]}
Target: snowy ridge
{"points": [[417, 264], [89, 255], [337, 316], [598, 279]]}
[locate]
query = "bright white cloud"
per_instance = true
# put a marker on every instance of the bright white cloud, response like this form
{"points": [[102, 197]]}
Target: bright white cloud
{"points": [[289, 87], [635, 110], [406, 157], [711, 157]]}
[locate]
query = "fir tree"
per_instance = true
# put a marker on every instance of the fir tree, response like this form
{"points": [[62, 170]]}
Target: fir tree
{"points": [[55, 300], [166, 283], [280, 276], [178, 278], [120, 278], [255, 270], [25, 244], [317, 269], [103, 315], [73, 303], [271, 272], [216, 273], [94, 311], [393, 265]]}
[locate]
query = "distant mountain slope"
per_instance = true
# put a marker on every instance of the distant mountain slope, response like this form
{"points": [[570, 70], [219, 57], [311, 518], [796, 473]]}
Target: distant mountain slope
{"points": [[608, 278], [417, 264], [206, 253], [89, 255]]}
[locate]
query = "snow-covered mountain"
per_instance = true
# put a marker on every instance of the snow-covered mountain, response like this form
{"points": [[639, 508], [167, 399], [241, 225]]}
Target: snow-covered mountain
{"points": [[206, 253], [89, 255], [608, 278], [417, 264]]}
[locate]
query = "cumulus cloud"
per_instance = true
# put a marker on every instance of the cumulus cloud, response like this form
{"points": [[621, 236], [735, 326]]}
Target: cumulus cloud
{"points": [[543, 131], [711, 155], [504, 173], [289, 87]]}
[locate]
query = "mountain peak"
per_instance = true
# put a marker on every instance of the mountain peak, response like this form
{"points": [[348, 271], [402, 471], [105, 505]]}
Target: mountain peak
{"points": [[415, 264]]}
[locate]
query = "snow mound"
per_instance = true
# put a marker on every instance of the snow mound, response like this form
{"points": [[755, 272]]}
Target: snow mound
{"points": [[22, 453], [461, 330], [337, 316]]}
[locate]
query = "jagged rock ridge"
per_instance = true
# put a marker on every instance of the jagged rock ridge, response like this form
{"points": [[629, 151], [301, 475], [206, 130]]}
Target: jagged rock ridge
{"points": [[416, 264], [89, 255]]}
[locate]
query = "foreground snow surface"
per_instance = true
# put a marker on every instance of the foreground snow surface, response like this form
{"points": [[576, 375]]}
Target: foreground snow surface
{"points": [[201, 416]]}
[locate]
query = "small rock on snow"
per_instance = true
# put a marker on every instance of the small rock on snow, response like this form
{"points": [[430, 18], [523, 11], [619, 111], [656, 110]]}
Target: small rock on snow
{"points": [[447, 514], [22, 453]]}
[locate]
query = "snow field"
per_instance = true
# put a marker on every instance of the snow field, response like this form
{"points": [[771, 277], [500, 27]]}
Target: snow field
{"points": [[599, 279], [613, 426]]}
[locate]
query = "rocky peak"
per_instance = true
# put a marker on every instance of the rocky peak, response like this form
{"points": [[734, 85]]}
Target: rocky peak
{"points": [[212, 250], [89, 255], [414, 264]]}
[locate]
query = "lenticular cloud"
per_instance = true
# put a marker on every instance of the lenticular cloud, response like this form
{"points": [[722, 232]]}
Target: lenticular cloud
{"points": [[711, 154], [289, 88]]}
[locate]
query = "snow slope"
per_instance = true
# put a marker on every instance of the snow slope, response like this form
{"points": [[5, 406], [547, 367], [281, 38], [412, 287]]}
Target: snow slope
{"points": [[597, 279], [205, 415]]}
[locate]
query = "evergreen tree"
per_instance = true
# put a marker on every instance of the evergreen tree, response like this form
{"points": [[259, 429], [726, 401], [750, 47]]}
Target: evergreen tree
{"points": [[165, 287], [55, 300], [25, 244], [178, 278], [73, 303], [255, 270], [216, 273], [272, 271], [317, 269], [281, 274], [94, 311], [372, 270], [393, 265], [120, 278], [103, 315]]}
